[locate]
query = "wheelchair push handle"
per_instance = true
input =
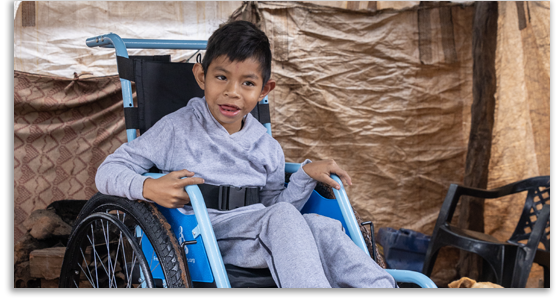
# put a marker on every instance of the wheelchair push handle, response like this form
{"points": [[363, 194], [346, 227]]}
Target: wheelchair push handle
{"points": [[112, 40]]}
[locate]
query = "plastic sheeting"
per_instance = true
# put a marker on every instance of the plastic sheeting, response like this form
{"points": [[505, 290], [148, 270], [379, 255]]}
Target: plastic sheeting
{"points": [[521, 137], [56, 44], [387, 94], [390, 105]]}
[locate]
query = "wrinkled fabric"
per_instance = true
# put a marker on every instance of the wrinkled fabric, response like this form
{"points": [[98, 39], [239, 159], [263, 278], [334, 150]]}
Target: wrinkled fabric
{"points": [[361, 88], [56, 45], [63, 130]]}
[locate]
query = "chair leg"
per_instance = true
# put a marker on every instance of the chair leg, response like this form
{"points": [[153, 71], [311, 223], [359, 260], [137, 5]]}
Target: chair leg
{"points": [[546, 276], [430, 260]]}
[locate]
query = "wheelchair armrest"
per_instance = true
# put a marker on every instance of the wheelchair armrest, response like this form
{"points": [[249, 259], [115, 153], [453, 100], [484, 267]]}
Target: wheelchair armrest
{"points": [[207, 233], [153, 175], [348, 215], [345, 208], [291, 167], [356, 235], [412, 277]]}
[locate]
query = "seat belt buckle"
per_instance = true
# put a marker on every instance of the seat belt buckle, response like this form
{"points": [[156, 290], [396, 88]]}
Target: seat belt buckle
{"points": [[231, 197]]}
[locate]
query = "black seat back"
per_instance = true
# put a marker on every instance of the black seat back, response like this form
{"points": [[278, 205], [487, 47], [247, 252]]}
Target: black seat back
{"points": [[162, 87]]}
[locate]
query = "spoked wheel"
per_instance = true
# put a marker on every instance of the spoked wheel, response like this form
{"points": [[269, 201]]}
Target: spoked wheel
{"points": [[121, 243]]}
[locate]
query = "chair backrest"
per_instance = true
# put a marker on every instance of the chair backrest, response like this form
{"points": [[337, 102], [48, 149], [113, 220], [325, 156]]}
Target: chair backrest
{"points": [[538, 194], [162, 87]]}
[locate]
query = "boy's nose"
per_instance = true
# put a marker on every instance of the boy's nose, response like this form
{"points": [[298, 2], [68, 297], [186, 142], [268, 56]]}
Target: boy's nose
{"points": [[231, 90]]}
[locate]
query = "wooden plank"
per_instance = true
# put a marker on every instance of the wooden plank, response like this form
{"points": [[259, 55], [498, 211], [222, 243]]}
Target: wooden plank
{"points": [[471, 216]]}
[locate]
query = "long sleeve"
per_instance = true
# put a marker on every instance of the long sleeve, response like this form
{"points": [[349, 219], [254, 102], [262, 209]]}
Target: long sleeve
{"points": [[120, 173], [298, 190]]}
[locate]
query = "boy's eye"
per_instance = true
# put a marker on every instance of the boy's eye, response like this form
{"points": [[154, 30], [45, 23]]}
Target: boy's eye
{"points": [[221, 77], [249, 83]]}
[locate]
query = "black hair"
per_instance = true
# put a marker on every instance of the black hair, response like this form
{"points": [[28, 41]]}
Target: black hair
{"points": [[239, 40]]}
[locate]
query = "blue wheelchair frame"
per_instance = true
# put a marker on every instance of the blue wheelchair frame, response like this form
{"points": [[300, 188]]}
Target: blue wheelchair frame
{"points": [[204, 259]]}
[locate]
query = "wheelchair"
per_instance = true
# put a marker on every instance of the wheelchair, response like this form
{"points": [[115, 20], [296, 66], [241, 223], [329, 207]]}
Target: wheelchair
{"points": [[116, 242]]}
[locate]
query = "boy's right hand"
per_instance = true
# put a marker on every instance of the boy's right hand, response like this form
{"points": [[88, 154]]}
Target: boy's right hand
{"points": [[169, 190]]}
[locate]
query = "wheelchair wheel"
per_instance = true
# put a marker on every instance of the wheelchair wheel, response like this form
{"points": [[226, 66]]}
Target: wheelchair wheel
{"points": [[121, 243]]}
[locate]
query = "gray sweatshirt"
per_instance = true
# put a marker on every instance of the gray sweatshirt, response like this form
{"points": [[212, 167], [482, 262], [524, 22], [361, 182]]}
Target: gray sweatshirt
{"points": [[191, 138]]}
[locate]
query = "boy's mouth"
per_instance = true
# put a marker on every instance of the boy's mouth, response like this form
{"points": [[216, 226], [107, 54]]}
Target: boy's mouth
{"points": [[229, 110]]}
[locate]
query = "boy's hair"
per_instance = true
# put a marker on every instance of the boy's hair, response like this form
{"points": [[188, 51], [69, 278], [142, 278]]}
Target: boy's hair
{"points": [[239, 40]]}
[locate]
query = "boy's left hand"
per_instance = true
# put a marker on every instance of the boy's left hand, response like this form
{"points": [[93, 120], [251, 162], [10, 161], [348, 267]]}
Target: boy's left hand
{"points": [[322, 170]]}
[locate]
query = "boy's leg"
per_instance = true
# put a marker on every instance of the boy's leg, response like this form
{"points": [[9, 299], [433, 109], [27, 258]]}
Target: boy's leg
{"points": [[277, 237], [345, 264]]}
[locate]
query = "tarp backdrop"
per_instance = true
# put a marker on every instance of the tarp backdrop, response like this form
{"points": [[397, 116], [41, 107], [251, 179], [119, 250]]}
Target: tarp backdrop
{"points": [[384, 92]]}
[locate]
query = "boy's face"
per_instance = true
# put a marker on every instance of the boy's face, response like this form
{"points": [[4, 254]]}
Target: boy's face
{"points": [[232, 89]]}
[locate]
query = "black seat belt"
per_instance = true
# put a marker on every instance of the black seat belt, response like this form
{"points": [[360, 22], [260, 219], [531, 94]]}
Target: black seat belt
{"points": [[228, 197]]}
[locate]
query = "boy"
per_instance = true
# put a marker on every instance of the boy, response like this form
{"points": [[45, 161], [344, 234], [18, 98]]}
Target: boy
{"points": [[215, 140]]}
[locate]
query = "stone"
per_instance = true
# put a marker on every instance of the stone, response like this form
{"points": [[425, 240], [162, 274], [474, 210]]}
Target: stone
{"points": [[21, 275], [25, 245], [68, 210], [46, 263], [49, 283], [45, 223]]}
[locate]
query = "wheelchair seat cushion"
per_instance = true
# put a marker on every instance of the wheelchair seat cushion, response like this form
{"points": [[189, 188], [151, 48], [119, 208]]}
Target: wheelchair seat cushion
{"points": [[245, 277]]}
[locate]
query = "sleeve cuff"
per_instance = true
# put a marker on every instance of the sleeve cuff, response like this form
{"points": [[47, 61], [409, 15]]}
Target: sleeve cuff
{"points": [[137, 188], [301, 177]]}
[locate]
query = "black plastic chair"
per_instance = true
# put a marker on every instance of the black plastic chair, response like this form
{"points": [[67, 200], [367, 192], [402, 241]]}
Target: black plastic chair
{"points": [[511, 260]]}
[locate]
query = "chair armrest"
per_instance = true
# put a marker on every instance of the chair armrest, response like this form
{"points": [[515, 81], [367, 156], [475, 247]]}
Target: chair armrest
{"points": [[345, 208], [348, 215], [207, 233], [456, 191], [208, 236], [153, 175], [291, 167], [356, 234], [413, 277]]}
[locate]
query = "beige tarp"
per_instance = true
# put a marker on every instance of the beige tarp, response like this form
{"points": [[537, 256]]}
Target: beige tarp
{"points": [[359, 87], [388, 96], [521, 138], [56, 45]]}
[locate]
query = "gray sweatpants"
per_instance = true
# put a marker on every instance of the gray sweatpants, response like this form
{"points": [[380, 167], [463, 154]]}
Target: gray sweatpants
{"points": [[301, 251]]}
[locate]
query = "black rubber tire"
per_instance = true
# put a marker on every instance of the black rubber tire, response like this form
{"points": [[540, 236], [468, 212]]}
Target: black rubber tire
{"points": [[152, 223], [81, 236]]}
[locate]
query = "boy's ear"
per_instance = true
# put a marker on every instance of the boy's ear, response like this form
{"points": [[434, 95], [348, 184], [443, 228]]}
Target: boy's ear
{"points": [[198, 73], [267, 88]]}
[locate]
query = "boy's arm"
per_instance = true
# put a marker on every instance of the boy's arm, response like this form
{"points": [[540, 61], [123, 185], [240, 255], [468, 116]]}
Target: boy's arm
{"points": [[120, 173], [298, 190], [302, 182]]}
